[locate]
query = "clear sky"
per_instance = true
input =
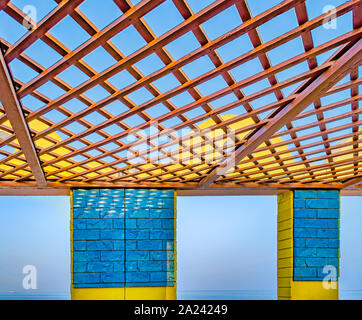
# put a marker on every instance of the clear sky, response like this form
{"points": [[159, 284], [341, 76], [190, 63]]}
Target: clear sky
{"points": [[223, 243]]}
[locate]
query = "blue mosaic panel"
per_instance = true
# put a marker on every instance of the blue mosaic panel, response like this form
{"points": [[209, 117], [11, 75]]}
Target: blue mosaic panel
{"points": [[316, 234], [123, 237], [149, 219]]}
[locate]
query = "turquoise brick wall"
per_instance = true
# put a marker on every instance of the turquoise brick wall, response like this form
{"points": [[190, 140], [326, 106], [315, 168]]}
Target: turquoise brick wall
{"points": [[316, 233], [123, 237]]}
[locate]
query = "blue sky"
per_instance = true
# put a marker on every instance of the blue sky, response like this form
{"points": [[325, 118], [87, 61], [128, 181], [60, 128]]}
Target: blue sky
{"points": [[223, 243]]}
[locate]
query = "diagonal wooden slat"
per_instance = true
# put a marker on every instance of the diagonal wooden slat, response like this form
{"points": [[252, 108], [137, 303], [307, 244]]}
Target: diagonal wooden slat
{"points": [[152, 102], [93, 43], [15, 115], [3, 4], [339, 69], [352, 182], [64, 8]]}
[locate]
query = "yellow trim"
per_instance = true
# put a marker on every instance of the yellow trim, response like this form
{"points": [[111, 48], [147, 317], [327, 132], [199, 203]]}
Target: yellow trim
{"points": [[124, 293], [285, 244], [97, 293], [71, 243], [172, 294], [312, 290], [339, 234], [150, 293]]}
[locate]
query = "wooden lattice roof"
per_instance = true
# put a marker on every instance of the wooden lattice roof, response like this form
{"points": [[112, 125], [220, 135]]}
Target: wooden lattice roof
{"points": [[185, 94]]}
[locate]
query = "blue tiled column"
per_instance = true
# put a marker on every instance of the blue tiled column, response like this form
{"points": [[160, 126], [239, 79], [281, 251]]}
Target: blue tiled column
{"points": [[316, 233], [149, 237], [98, 238], [123, 238]]}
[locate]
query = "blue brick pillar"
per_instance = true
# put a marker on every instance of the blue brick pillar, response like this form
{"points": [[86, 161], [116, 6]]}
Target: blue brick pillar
{"points": [[123, 244], [308, 244], [316, 233], [149, 223]]}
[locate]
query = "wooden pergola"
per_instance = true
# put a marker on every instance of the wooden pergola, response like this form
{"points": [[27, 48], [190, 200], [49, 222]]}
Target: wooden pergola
{"points": [[301, 130]]}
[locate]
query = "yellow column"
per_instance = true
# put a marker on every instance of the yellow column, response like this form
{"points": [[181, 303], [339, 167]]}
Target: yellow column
{"points": [[308, 243]]}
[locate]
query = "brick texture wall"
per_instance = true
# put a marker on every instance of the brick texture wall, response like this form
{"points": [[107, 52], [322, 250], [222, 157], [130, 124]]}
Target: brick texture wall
{"points": [[316, 233], [123, 238]]}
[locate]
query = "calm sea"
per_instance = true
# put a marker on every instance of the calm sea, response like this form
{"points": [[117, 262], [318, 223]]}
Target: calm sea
{"points": [[190, 295]]}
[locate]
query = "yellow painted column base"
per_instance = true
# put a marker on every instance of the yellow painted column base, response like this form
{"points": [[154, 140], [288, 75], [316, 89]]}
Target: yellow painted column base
{"points": [[313, 290], [127, 293], [308, 290], [150, 293], [97, 293]]}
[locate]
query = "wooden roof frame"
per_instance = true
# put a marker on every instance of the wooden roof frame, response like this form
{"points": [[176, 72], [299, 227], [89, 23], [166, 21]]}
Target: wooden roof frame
{"points": [[305, 95], [257, 154], [15, 115]]}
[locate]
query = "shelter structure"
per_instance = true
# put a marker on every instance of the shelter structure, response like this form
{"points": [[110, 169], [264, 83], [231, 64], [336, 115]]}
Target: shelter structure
{"points": [[124, 104]]}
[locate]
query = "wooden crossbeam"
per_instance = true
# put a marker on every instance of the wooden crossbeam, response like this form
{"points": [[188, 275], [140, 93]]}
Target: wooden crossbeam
{"points": [[3, 4], [352, 182], [316, 89], [15, 116], [110, 31], [61, 11], [219, 191], [152, 102], [93, 43]]}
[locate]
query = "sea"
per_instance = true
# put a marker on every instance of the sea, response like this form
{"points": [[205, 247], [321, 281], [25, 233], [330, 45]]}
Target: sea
{"points": [[188, 295]]}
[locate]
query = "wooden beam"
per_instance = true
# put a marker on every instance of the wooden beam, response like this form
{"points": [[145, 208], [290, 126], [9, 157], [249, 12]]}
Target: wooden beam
{"points": [[15, 115], [353, 182], [229, 192], [212, 45], [309, 93], [213, 191], [61, 11], [90, 45], [171, 185], [250, 192], [142, 107], [34, 191], [3, 4], [357, 192]]}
